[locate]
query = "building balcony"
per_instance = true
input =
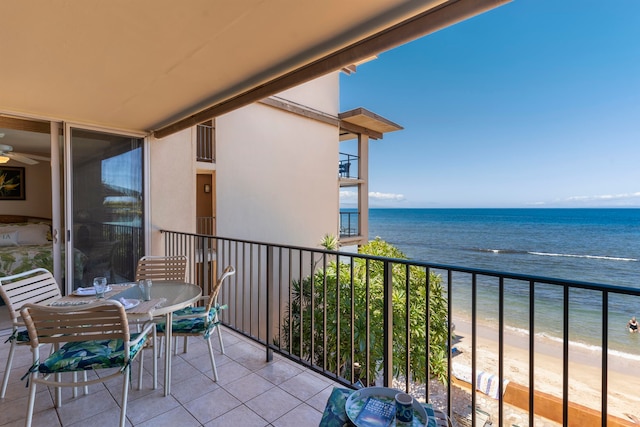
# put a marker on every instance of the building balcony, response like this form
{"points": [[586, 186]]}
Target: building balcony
{"points": [[348, 167]]}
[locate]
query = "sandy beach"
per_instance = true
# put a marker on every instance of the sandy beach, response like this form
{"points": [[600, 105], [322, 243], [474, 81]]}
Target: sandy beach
{"points": [[584, 370]]}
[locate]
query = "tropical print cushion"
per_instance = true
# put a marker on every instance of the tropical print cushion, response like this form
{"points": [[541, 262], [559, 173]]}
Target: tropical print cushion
{"points": [[196, 325], [334, 414], [84, 355], [21, 336]]}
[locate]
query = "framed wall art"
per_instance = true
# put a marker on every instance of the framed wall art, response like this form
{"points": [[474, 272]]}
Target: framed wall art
{"points": [[11, 183]]}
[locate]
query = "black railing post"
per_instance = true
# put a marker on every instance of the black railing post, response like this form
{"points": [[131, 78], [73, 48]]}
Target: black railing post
{"points": [[387, 337], [270, 282], [605, 355]]}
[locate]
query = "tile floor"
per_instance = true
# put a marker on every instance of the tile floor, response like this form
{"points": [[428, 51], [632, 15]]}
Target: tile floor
{"points": [[249, 392]]}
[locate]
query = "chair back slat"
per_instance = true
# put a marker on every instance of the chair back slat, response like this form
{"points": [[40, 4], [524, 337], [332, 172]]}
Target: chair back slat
{"points": [[213, 297], [96, 321], [162, 268], [35, 286]]}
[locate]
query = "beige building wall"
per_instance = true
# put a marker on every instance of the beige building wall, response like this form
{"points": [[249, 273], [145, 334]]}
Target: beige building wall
{"points": [[276, 172], [172, 172]]}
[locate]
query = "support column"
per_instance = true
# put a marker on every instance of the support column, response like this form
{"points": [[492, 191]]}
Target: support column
{"points": [[363, 187]]}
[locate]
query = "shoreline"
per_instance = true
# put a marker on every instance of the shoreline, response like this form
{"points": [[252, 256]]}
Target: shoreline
{"points": [[589, 355], [584, 368]]}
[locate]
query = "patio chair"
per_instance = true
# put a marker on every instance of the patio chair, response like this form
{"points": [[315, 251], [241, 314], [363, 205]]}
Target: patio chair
{"points": [[88, 337], [201, 321], [30, 287], [162, 268]]}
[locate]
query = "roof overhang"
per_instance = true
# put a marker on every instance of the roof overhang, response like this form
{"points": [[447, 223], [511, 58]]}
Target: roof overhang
{"points": [[362, 121], [161, 65]]}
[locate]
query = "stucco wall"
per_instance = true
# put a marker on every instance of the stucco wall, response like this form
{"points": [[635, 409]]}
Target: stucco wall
{"points": [[173, 177], [38, 192], [277, 171]]}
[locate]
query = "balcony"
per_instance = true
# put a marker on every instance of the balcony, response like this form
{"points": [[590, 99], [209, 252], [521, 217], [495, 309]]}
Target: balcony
{"points": [[205, 146], [348, 166], [349, 224], [299, 323], [308, 306]]}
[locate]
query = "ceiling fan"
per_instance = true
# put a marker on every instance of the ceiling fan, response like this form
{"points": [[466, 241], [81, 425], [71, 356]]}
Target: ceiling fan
{"points": [[6, 154]]}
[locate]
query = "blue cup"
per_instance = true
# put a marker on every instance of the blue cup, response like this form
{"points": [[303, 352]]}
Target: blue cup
{"points": [[404, 408]]}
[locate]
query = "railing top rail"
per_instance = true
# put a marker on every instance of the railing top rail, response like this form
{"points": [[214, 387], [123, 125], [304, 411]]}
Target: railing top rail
{"points": [[349, 156]]}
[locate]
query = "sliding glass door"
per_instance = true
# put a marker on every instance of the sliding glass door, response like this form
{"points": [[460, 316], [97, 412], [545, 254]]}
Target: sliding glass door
{"points": [[104, 205]]}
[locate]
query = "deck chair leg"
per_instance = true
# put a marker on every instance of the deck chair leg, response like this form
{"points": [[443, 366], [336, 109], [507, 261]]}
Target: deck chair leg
{"points": [[141, 369], [86, 387], [125, 395], [220, 339], [58, 400], [213, 361], [75, 380], [186, 344], [32, 400], [155, 360], [5, 379]]}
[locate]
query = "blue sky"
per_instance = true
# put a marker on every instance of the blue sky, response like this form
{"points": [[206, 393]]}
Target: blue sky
{"points": [[533, 104]]}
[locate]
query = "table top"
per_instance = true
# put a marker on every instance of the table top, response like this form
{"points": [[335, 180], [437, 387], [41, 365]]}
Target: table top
{"points": [[166, 297], [176, 295], [335, 414]]}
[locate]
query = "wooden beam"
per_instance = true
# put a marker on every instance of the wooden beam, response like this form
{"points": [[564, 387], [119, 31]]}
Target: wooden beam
{"points": [[27, 125], [299, 110], [420, 25], [359, 129]]}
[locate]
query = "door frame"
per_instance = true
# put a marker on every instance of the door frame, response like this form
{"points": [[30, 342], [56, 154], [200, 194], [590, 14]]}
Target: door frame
{"points": [[68, 190]]}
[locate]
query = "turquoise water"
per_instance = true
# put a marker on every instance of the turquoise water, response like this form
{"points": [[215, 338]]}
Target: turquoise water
{"points": [[592, 245]]}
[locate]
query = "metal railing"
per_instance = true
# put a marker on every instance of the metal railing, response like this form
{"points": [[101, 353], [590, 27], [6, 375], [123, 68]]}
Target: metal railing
{"points": [[206, 149], [349, 223], [348, 166], [206, 225], [361, 320]]}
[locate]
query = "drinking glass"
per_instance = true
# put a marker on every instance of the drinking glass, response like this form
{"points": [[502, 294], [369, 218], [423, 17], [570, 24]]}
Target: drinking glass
{"points": [[145, 289], [100, 285]]}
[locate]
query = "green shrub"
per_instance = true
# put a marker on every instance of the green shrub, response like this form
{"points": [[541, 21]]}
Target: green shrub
{"points": [[333, 299]]}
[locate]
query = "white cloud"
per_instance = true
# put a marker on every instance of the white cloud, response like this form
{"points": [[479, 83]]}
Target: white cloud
{"points": [[599, 200], [377, 196], [604, 197], [348, 196]]}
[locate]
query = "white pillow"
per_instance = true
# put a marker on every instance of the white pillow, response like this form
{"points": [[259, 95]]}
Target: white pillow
{"points": [[9, 238], [33, 234]]}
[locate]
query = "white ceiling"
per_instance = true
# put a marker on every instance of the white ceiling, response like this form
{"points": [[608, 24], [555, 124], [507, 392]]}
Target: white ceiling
{"points": [[142, 65]]}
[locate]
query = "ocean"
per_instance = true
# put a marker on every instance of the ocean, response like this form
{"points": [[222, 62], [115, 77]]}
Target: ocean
{"points": [[592, 245]]}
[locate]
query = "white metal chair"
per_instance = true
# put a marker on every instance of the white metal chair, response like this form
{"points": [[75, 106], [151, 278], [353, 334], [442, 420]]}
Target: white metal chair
{"points": [[88, 337], [162, 268], [36, 286], [201, 321]]}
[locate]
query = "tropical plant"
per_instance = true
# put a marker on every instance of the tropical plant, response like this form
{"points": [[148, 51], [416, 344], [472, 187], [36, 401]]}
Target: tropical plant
{"points": [[8, 185], [342, 296]]}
